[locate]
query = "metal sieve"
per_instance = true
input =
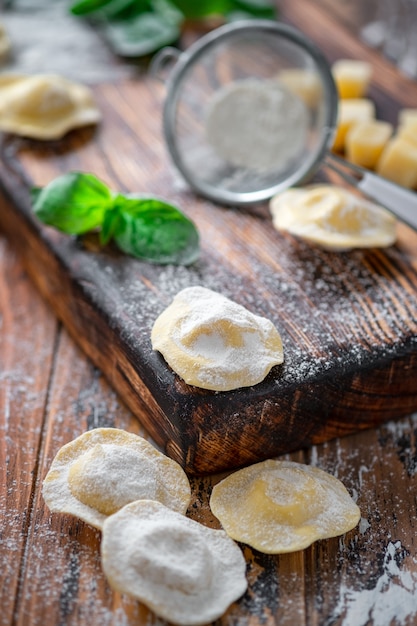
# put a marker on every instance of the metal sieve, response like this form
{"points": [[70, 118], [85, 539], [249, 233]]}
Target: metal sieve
{"points": [[231, 98], [251, 109]]}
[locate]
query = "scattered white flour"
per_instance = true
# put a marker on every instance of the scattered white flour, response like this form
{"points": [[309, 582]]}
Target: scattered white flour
{"points": [[46, 38], [388, 602], [258, 125]]}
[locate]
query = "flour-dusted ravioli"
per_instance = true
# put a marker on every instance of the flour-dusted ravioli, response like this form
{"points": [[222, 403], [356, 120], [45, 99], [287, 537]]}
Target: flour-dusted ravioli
{"points": [[4, 43], [283, 506], [44, 106], [214, 343], [332, 217], [104, 469], [184, 571]]}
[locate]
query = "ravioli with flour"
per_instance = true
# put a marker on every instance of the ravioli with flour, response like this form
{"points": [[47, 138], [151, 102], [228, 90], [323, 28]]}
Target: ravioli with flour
{"points": [[184, 571], [214, 343], [333, 218], [283, 506], [104, 469]]}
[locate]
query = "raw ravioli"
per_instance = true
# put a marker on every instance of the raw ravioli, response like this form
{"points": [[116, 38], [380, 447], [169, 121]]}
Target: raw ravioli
{"points": [[282, 506], [333, 218], [4, 43], [104, 469], [214, 343], [185, 572], [44, 106]]}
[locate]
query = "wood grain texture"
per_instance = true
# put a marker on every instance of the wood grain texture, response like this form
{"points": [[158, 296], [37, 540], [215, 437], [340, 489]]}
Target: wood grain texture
{"points": [[348, 321], [50, 567], [50, 392], [28, 331]]}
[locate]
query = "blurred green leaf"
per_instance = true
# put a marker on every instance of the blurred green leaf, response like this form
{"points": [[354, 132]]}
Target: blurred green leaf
{"points": [[109, 226], [141, 35], [266, 9], [197, 9]]}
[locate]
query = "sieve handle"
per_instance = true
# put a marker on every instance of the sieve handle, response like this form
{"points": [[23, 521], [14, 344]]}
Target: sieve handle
{"points": [[163, 63], [402, 202]]}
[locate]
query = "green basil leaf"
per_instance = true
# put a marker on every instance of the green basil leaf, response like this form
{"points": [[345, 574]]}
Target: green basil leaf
{"points": [[74, 203], [155, 231], [194, 10], [125, 9], [265, 9], [167, 10], [83, 7], [109, 226], [141, 35]]}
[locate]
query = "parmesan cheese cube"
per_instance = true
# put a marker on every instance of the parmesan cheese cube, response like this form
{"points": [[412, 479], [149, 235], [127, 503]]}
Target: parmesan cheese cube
{"points": [[303, 83], [398, 162], [351, 77], [408, 131], [407, 116], [365, 142], [351, 112]]}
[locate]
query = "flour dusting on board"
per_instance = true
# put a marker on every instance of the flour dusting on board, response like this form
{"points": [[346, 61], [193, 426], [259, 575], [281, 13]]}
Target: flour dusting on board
{"points": [[37, 47], [388, 602]]}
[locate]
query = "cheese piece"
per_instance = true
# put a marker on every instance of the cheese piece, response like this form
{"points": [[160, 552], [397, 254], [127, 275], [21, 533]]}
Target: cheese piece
{"points": [[398, 162], [352, 77], [407, 116], [365, 142], [408, 131], [214, 343], [282, 506], [184, 571], [104, 469], [44, 106], [303, 83], [333, 218], [351, 112]]}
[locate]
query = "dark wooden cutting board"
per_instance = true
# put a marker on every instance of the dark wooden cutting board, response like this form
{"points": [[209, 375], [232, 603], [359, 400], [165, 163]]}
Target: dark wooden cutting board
{"points": [[348, 320]]}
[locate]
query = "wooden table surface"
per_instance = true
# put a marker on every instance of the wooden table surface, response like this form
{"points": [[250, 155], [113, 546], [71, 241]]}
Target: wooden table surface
{"points": [[50, 572]]}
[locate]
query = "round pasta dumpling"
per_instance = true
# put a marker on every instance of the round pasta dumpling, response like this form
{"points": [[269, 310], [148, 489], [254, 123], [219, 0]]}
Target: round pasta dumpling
{"points": [[283, 506], [184, 571], [214, 343], [333, 218], [104, 469], [44, 106]]}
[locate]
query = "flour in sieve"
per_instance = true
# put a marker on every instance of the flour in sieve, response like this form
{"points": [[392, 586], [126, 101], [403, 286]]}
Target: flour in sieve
{"points": [[257, 124]]}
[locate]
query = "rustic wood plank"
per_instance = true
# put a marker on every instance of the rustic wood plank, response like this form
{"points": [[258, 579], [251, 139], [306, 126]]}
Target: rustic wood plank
{"points": [[28, 331], [62, 576], [348, 320], [376, 580], [368, 576], [293, 288], [340, 581]]}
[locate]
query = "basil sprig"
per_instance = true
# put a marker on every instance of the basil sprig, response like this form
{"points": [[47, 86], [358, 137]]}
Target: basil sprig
{"points": [[140, 27], [144, 227]]}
